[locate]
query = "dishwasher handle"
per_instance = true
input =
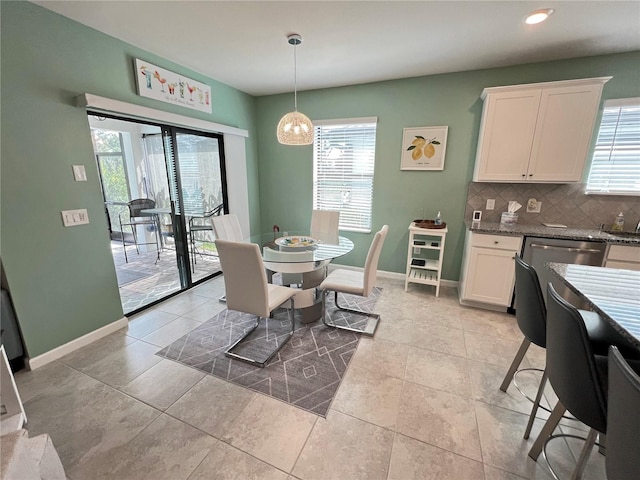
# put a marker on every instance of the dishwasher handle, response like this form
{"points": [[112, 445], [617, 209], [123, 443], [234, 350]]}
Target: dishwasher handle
{"points": [[565, 249]]}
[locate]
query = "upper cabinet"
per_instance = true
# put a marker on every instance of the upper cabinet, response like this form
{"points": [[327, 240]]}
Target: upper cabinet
{"points": [[538, 132]]}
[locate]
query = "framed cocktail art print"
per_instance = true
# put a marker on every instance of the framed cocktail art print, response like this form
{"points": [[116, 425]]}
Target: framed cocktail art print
{"points": [[423, 148]]}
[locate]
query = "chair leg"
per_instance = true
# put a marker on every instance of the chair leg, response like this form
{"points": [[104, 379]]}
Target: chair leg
{"points": [[124, 247], [517, 360], [369, 329], [252, 361], [547, 430], [585, 453], [536, 404]]}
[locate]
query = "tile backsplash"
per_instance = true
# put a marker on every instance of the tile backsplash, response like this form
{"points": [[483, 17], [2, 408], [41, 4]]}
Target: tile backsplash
{"points": [[566, 204]]}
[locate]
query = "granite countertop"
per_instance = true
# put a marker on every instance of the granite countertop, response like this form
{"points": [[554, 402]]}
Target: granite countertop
{"points": [[550, 232], [611, 292]]}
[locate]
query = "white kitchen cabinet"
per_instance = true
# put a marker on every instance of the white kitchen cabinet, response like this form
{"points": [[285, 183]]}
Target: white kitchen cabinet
{"points": [[626, 257], [538, 132], [488, 270], [424, 256]]}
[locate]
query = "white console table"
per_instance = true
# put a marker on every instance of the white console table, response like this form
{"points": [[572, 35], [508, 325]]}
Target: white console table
{"points": [[424, 256]]}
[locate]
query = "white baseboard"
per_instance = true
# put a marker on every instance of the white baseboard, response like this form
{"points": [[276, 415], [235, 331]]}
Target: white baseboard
{"points": [[62, 350], [392, 275]]}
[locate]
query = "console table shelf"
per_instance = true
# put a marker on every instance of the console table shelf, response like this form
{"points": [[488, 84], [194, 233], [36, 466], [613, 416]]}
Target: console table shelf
{"points": [[424, 256]]}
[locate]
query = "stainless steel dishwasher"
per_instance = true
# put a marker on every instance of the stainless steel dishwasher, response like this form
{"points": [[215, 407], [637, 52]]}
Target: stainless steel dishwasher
{"points": [[539, 251]]}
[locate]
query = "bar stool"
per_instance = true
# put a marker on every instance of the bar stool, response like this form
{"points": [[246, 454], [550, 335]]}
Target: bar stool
{"points": [[623, 419], [531, 315], [578, 377]]}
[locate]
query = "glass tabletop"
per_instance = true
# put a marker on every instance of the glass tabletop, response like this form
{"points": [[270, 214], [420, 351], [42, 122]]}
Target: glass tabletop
{"points": [[301, 247]]}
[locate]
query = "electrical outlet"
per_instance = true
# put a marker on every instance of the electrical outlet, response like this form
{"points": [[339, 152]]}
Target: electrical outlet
{"points": [[491, 204]]}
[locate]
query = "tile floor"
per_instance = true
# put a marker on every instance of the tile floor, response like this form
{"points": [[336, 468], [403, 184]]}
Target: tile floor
{"points": [[420, 401]]}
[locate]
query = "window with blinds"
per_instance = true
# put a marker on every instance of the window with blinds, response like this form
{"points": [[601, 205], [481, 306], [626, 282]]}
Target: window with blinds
{"points": [[343, 164], [615, 168]]}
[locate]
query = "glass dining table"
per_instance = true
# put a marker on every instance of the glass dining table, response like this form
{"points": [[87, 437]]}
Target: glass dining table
{"points": [[301, 260], [612, 293]]}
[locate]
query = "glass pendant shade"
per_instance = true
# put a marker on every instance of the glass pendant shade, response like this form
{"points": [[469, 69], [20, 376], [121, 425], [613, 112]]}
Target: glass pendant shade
{"points": [[295, 128]]}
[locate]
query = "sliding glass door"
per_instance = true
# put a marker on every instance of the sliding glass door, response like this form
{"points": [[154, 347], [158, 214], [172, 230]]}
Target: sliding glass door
{"points": [[181, 175]]}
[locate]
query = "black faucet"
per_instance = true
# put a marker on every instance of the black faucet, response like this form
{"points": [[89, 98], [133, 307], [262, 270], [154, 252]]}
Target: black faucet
{"points": [[638, 227]]}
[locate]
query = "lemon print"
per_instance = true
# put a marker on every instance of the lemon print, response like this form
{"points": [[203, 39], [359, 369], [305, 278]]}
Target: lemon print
{"points": [[416, 153], [429, 150], [419, 142]]}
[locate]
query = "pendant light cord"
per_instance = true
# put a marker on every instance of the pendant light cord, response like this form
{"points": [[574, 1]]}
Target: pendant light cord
{"points": [[295, 78]]}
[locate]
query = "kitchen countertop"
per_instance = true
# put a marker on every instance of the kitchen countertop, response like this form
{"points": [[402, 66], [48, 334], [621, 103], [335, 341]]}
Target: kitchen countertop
{"points": [[550, 232]]}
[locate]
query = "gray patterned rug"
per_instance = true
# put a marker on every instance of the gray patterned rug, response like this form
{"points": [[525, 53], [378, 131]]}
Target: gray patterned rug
{"points": [[306, 372]]}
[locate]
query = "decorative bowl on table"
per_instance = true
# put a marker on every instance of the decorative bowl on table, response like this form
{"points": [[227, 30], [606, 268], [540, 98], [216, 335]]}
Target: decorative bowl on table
{"points": [[296, 243], [428, 224]]}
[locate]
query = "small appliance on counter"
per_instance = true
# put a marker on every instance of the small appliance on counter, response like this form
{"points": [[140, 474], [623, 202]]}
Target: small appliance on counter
{"points": [[510, 217]]}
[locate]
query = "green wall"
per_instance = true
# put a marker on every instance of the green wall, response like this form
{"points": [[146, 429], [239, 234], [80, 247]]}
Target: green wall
{"points": [[286, 173], [62, 280]]}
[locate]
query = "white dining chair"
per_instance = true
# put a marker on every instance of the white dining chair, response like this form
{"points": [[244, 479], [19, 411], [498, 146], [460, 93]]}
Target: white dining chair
{"points": [[247, 291], [325, 225], [355, 283], [227, 227]]}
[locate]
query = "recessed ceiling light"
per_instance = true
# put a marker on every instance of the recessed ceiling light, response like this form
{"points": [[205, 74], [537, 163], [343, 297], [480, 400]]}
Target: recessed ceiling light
{"points": [[538, 16]]}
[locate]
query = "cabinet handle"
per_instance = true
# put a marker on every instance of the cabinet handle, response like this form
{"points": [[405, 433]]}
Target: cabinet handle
{"points": [[524, 175], [531, 174], [496, 242]]}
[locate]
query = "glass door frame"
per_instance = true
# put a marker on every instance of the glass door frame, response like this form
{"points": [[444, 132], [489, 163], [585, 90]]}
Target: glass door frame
{"points": [[169, 134]]}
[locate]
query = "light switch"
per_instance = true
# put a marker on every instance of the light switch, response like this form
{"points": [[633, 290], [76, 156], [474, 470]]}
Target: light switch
{"points": [[79, 173], [71, 218]]}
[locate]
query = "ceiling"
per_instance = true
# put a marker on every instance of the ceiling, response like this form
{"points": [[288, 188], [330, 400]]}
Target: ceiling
{"points": [[243, 43]]}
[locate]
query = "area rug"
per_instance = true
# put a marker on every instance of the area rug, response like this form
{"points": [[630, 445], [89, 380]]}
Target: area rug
{"points": [[307, 371]]}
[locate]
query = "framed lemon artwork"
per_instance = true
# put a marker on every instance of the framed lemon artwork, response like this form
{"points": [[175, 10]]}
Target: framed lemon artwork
{"points": [[423, 148]]}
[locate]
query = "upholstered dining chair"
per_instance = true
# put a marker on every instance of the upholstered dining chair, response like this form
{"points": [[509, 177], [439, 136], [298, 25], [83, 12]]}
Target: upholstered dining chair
{"points": [[577, 375], [226, 227], [531, 315], [138, 218], [355, 283], [247, 291], [623, 418], [325, 225]]}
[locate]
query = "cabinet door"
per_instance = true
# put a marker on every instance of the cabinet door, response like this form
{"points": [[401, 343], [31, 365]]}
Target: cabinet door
{"points": [[491, 276], [563, 133], [506, 135]]}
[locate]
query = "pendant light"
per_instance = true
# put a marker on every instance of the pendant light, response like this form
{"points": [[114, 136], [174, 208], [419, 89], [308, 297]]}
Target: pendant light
{"points": [[295, 128]]}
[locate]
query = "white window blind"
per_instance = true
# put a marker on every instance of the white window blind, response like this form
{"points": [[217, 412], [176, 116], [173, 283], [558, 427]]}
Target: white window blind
{"points": [[615, 168], [343, 164]]}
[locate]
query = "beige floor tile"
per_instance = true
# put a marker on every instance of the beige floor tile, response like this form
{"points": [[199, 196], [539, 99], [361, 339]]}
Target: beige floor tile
{"points": [[146, 322], [369, 395], [212, 405], [163, 384], [46, 380], [381, 356], [430, 336], [438, 370], [486, 380], [492, 473], [343, 447], [97, 350], [228, 463], [119, 368], [166, 450], [181, 304], [490, 349], [499, 324], [272, 431], [439, 418], [171, 332], [86, 419], [414, 460], [504, 448], [207, 310]]}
